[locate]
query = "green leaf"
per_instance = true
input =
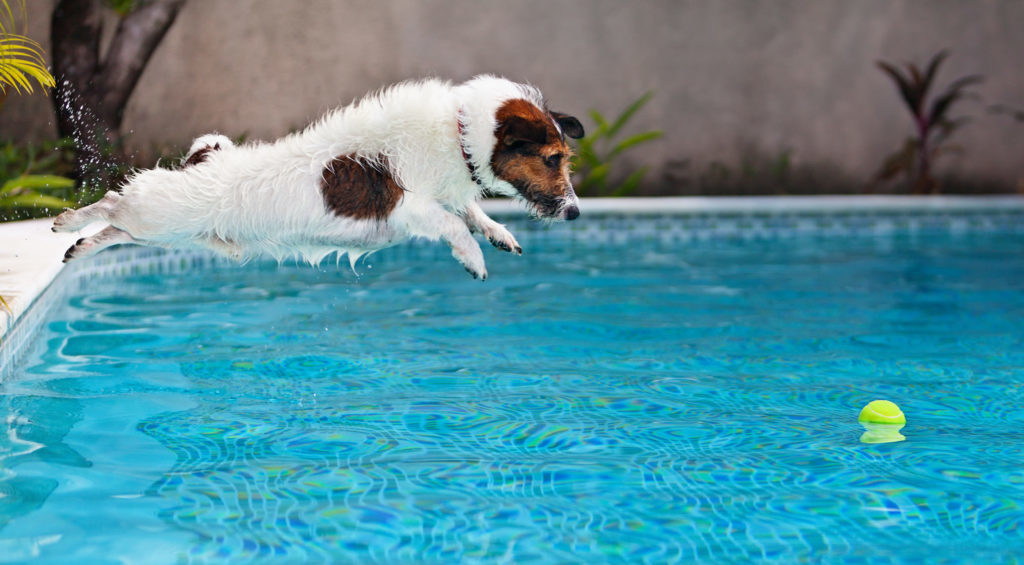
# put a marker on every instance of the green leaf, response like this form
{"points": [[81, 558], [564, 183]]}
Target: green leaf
{"points": [[586, 157], [121, 7], [634, 140], [631, 183], [34, 201], [593, 160], [36, 182], [602, 126], [628, 113], [595, 177]]}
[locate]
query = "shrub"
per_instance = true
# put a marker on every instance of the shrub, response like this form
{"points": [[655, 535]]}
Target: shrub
{"points": [[596, 152], [932, 124]]}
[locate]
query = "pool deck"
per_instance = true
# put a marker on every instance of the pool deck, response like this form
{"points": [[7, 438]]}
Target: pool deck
{"points": [[31, 254], [30, 258]]}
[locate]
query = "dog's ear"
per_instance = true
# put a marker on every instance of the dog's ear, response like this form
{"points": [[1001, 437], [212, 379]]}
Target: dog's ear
{"points": [[517, 131], [570, 125]]}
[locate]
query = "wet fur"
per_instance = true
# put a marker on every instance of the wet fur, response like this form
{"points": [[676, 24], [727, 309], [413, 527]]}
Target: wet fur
{"points": [[409, 161]]}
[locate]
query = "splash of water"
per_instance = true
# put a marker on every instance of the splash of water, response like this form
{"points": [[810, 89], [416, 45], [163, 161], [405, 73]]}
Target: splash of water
{"points": [[97, 164]]}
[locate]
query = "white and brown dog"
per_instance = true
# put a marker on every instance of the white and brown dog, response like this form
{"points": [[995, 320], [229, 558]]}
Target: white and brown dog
{"points": [[409, 161]]}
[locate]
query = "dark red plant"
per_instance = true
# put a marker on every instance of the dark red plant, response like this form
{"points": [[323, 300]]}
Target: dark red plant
{"points": [[932, 126]]}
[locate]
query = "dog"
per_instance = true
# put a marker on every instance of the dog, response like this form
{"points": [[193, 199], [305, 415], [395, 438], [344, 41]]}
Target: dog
{"points": [[410, 161]]}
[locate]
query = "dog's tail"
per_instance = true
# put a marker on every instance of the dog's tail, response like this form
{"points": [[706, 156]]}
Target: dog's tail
{"points": [[203, 145]]}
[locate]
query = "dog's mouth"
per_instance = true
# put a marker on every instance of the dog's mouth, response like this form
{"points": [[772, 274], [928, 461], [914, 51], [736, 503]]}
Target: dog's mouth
{"points": [[562, 209], [544, 205]]}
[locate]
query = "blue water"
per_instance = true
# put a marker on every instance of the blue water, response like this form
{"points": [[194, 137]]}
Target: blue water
{"points": [[641, 402]]}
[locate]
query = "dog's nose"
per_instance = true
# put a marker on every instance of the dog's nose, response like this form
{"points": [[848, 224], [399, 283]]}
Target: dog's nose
{"points": [[572, 212]]}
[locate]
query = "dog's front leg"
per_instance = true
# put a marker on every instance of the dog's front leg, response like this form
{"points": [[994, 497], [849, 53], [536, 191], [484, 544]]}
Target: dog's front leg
{"points": [[433, 221], [496, 233]]}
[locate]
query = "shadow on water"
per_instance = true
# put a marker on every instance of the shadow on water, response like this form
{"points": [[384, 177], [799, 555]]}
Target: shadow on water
{"points": [[34, 432]]}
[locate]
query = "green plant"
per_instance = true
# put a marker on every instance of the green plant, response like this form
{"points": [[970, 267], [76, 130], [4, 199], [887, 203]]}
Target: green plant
{"points": [[21, 58], [45, 157], [932, 125], [596, 152], [33, 179], [31, 191], [121, 7]]}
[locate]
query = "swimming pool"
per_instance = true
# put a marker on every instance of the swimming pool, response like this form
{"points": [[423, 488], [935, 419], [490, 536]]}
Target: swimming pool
{"points": [[624, 394]]}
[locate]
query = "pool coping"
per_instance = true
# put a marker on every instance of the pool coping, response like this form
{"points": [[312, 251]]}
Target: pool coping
{"points": [[31, 254]]}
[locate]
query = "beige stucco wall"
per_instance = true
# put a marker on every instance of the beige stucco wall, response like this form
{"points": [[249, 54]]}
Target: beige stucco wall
{"points": [[731, 77]]}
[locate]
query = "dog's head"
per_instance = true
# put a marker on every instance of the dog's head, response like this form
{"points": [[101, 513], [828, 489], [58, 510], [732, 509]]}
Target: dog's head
{"points": [[516, 147], [531, 155]]}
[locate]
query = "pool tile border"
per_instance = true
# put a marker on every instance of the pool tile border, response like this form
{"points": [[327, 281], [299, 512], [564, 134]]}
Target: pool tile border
{"points": [[30, 254]]}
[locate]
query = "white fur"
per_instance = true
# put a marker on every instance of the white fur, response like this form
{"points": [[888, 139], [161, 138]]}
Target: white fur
{"points": [[265, 198]]}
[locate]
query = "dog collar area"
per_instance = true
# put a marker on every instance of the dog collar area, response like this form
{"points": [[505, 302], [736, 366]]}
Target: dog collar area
{"points": [[473, 173]]}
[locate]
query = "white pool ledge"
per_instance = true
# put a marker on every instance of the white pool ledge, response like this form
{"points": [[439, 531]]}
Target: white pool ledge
{"points": [[31, 254]]}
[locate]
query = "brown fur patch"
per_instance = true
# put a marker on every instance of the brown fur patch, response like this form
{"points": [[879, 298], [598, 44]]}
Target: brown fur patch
{"points": [[200, 155], [354, 188], [518, 109], [527, 143]]}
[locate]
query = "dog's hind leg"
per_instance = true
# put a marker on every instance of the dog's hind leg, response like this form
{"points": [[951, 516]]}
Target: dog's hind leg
{"points": [[74, 220], [91, 245]]}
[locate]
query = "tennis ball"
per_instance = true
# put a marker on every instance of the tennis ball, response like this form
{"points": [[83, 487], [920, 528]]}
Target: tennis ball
{"points": [[882, 412]]}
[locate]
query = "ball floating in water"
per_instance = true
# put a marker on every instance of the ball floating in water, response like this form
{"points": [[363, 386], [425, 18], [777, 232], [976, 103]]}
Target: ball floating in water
{"points": [[882, 412], [882, 421]]}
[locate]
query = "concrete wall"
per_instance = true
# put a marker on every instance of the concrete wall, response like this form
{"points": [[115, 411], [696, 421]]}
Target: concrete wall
{"points": [[732, 78]]}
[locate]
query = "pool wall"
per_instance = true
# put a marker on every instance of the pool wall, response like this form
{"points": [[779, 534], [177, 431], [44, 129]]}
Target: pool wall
{"points": [[30, 254]]}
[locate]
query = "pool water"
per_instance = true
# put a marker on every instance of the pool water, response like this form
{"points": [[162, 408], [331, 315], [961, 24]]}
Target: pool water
{"points": [[636, 402]]}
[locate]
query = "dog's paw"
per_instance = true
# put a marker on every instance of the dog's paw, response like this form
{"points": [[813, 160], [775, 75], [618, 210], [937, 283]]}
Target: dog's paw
{"points": [[476, 268], [77, 250], [500, 237], [477, 275], [472, 260], [60, 223]]}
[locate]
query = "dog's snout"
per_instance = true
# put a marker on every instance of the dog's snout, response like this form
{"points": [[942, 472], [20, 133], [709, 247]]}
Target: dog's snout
{"points": [[572, 212]]}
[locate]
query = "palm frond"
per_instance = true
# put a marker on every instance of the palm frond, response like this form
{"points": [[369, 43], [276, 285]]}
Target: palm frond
{"points": [[8, 18], [21, 59]]}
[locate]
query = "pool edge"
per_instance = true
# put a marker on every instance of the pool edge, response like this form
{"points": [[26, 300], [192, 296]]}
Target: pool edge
{"points": [[31, 254]]}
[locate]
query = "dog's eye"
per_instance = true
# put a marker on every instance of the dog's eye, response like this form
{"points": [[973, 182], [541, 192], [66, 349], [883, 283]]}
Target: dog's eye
{"points": [[553, 161]]}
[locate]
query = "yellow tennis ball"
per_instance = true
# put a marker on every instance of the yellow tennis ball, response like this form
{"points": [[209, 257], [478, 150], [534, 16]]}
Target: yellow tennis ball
{"points": [[882, 412]]}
